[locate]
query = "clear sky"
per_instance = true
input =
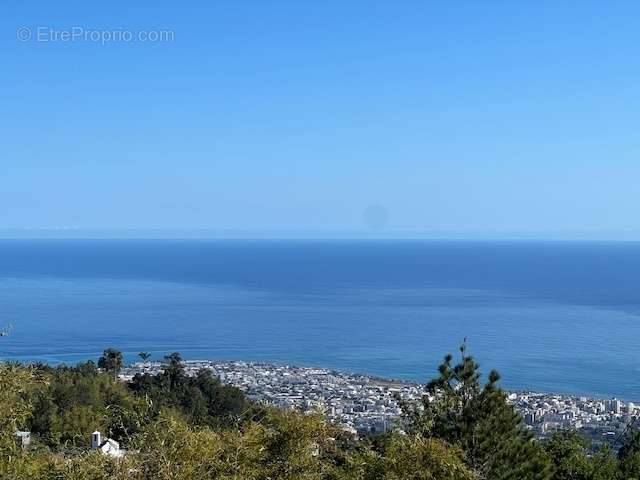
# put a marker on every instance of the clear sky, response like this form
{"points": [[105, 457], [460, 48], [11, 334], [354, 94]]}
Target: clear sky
{"points": [[321, 116]]}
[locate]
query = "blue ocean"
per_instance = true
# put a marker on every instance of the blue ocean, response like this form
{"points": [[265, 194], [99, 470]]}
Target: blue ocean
{"points": [[549, 316]]}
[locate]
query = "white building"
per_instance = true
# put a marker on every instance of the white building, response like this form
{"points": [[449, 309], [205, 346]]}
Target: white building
{"points": [[24, 439], [107, 447]]}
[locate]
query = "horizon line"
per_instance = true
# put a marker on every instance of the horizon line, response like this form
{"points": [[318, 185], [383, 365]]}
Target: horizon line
{"points": [[164, 233]]}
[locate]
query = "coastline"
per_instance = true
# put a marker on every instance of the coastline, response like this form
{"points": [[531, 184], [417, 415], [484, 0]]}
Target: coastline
{"points": [[369, 404]]}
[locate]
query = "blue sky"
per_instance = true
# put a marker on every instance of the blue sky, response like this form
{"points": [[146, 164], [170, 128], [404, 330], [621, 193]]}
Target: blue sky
{"points": [[291, 116]]}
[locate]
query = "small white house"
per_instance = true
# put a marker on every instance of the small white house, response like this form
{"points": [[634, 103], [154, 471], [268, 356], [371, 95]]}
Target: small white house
{"points": [[107, 446], [24, 439]]}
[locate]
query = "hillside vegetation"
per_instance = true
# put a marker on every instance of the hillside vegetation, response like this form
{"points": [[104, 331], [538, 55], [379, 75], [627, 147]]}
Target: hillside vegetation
{"points": [[176, 427]]}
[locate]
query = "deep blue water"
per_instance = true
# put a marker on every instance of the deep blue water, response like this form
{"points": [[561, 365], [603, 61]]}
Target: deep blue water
{"points": [[552, 316]]}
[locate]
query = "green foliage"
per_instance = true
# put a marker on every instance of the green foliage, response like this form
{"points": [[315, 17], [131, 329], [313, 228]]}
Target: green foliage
{"points": [[17, 385], [77, 401], [203, 399], [631, 444], [178, 427], [144, 356], [111, 361], [574, 459], [409, 458], [629, 455], [82, 466], [478, 419], [605, 466], [285, 446], [569, 453]]}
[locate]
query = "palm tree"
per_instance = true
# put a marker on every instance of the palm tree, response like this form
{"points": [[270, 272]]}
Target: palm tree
{"points": [[144, 356]]}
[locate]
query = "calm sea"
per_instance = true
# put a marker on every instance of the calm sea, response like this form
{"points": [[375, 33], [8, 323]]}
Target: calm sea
{"points": [[550, 316]]}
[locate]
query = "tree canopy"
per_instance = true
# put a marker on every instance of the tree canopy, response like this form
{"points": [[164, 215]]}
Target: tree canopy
{"points": [[111, 361], [175, 426]]}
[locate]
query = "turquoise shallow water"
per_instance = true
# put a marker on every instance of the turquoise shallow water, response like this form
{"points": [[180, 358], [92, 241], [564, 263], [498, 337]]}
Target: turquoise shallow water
{"points": [[549, 316]]}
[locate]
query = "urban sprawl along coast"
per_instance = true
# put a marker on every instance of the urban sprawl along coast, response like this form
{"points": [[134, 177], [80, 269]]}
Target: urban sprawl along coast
{"points": [[366, 404]]}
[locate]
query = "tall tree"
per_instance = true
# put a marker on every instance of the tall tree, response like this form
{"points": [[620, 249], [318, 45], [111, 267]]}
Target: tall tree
{"points": [[174, 369], [111, 361], [144, 356], [478, 419]]}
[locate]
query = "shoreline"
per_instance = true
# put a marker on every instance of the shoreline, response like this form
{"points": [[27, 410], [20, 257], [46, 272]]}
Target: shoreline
{"points": [[381, 379], [398, 381], [370, 404]]}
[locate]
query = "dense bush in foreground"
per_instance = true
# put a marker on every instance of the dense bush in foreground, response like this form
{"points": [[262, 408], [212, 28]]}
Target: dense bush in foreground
{"points": [[175, 427]]}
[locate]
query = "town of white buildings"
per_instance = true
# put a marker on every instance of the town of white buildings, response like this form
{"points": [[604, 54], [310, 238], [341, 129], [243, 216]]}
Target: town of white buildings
{"points": [[366, 404], [602, 420]]}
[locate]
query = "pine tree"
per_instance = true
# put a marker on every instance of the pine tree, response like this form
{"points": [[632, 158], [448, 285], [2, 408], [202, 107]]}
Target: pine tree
{"points": [[478, 419]]}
